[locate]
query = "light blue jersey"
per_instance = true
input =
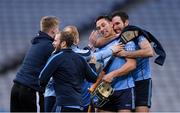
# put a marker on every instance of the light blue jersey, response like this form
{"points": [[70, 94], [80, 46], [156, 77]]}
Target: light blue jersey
{"points": [[87, 54], [50, 88], [125, 81], [142, 70], [85, 93], [104, 48]]}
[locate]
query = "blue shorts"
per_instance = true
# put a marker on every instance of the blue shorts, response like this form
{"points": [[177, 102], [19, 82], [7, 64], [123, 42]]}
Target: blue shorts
{"points": [[143, 92], [120, 100]]}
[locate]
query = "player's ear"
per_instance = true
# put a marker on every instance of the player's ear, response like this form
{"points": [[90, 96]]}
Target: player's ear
{"points": [[63, 44], [126, 23], [111, 24]]}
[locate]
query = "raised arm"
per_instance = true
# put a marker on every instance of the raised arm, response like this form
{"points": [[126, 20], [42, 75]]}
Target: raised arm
{"points": [[107, 52], [97, 42]]}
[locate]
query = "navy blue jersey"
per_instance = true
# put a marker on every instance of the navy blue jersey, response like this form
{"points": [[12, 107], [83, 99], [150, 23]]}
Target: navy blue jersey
{"points": [[69, 71], [87, 54]]}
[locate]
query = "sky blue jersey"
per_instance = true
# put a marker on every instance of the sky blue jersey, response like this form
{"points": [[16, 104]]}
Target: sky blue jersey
{"points": [[142, 70], [125, 81], [104, 48]]}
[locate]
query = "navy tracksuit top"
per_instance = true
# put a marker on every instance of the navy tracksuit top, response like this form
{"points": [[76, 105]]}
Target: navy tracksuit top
{"points": [[34, 61], [69, 71]]}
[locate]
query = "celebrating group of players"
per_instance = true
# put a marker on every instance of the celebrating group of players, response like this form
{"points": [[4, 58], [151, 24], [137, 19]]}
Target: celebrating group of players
{"points": [[57, 76]]}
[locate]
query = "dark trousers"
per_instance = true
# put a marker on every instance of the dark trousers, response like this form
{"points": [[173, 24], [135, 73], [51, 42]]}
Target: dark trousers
{"points": [[49, 104], [25, 99]]}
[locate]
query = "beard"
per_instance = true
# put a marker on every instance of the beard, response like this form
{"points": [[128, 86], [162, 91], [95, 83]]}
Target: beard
{"points": [[118, 31]]}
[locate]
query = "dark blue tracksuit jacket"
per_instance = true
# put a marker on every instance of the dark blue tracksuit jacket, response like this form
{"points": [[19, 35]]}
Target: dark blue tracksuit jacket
{"points": [[34, 61], [69, 71]]}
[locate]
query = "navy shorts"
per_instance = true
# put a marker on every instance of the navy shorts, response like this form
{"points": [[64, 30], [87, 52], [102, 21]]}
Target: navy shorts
{"points": [[143, 92], [120, 100], [49, 103], [60, 109]]}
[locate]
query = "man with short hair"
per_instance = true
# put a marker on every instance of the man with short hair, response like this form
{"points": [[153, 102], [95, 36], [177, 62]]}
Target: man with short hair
{"points": [[142, 74], [68, 70], [118, 74], [25, 95]]}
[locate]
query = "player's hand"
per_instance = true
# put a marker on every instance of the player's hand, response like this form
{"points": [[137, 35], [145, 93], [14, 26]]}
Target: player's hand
{"points": [[92, 88], [117, 48], [93, 60], [121, 53], [108, 78], [93, 38]]}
